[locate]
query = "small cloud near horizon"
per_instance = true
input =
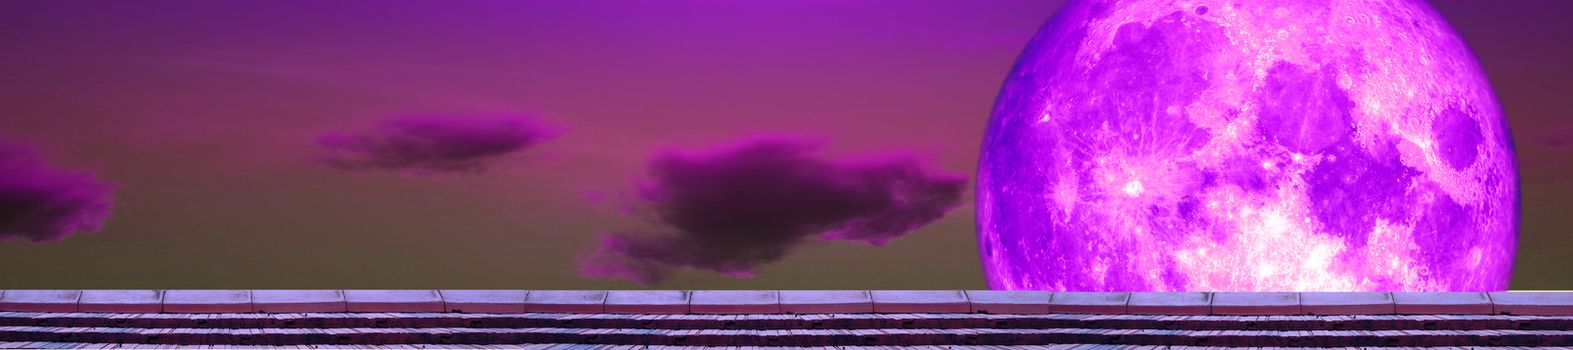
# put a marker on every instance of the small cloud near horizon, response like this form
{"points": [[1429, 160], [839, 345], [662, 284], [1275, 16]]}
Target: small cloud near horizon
{"points": [[735, 208], [426, 144], [45, 204], [1558, 140]]}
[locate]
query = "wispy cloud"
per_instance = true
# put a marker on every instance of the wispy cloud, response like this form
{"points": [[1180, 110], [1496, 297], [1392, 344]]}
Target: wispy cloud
{"points": [[433, 144]]}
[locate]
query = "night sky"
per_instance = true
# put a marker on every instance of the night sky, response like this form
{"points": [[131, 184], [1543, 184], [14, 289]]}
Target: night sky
{"points": [[572, 144]]}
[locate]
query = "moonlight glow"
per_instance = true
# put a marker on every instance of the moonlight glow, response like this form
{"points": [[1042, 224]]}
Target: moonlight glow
{"points": [[1247, 145]]}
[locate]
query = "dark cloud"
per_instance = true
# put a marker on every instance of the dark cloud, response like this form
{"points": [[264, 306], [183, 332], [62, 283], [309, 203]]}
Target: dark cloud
{"points": [[737, 208], [42, 204], [430, 144]]}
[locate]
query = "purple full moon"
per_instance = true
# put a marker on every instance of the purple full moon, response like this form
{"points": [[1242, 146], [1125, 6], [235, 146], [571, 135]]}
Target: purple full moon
{"points": [[1197, 145]]}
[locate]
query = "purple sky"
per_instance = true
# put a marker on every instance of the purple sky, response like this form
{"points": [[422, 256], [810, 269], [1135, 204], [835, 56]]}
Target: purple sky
{"points": [[207, 116]]}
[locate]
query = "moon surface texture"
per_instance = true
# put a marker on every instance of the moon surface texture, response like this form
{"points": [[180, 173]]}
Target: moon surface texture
{"points": [[1326, 145]]}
